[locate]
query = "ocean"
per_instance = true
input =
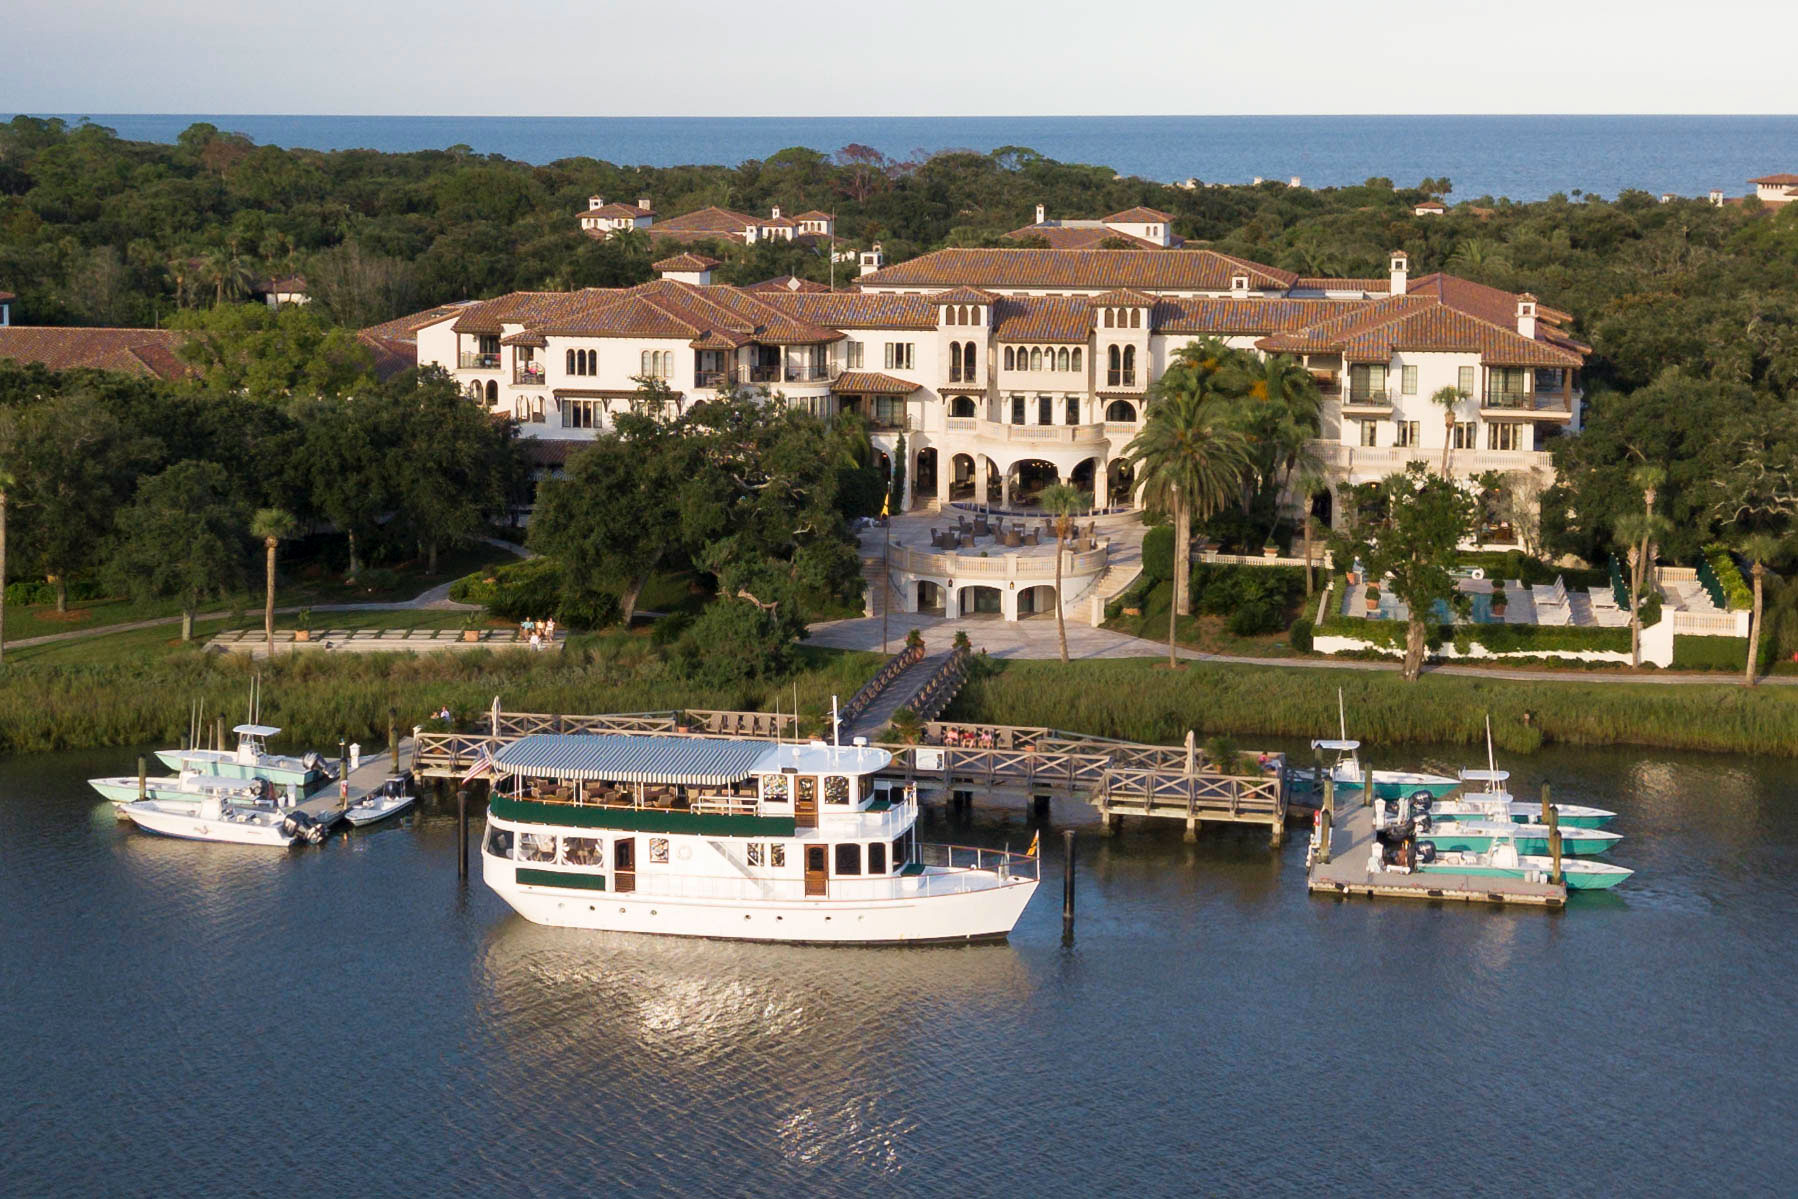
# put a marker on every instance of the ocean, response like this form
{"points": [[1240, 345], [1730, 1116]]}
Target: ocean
{"points": [[1520, 157]]}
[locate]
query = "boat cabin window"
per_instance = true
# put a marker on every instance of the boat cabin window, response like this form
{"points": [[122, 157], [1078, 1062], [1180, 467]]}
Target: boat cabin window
{"points": [[849, 858], [658, 851], [583, 851], [836, 789], [774, 788], [900, 857], [537, 847], [756, 853], [499, 842], [877, 857], [767, 853], [807, 788]]}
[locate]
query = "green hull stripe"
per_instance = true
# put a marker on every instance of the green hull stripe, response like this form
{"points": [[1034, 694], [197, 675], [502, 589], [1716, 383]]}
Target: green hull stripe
{"points": [[555, 878], [641, 820]]}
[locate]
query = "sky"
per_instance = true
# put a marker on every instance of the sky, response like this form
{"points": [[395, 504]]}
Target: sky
{"points": [[907, 58]]}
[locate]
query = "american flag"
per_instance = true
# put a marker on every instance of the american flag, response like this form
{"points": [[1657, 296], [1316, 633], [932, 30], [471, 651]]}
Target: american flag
{"points": [[482, 765]]}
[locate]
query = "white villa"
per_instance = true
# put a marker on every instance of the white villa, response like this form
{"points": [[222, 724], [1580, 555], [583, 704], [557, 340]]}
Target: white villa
{"points": [[1140, 228], [603, 220], [1005, 369]]}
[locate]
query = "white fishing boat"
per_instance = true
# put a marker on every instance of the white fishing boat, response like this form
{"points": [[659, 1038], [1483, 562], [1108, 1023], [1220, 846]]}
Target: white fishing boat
{"points": [[1494, 803], [186, 788], [1351, 777], [1503, 861], [740, 839], [392, 797], [228, 821], [251, 760]]}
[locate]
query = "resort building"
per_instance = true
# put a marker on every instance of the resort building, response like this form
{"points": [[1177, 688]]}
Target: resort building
{"points": [[6, 299], [1776, 189], [1134, 228], [1007, 369], [712, 223], [1430, 208], [601, 219]]}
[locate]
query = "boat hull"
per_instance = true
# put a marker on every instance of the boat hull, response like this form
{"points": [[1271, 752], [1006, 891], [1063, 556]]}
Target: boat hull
{"points": [[1569, 816], [1578, 876], [193, 826], [984, 914], [1461, 836], [375, 813]]}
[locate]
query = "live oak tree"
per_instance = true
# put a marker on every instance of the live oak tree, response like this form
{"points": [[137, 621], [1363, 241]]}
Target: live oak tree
{"points": [[451, 463], [1411, 545], [183, 536]]}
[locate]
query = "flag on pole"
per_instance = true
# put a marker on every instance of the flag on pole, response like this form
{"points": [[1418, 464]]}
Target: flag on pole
{"points": [[1036, 845], [886, 504], [482, 765]]}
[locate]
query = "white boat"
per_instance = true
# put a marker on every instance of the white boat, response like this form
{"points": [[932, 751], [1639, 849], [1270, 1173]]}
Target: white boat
{"points": [[740, 839], [391, 798], [216, 819], [189, 788], [1351, 776], [1503, 861], [1496, 803], [251, 760]]}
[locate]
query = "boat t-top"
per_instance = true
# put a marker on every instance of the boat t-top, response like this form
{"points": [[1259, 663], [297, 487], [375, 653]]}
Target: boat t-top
{"points": [[742, 839], [1479, 820], [251, 760]]}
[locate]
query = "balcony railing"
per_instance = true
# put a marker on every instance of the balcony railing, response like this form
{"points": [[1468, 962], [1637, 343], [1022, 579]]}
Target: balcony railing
{"points": [[714, 379], [1367, 397], [764, 374], [469, 361], [530, 373], [1120, 378], [1497, 398], [808, 374]]}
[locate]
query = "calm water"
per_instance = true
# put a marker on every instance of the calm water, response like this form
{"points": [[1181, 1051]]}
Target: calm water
{"points": [[1525, 158], [186, 1019]]}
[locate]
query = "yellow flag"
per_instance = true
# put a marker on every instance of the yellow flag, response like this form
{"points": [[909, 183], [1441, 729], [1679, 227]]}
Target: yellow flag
{"points": [[1036, 844], [885, 503]]}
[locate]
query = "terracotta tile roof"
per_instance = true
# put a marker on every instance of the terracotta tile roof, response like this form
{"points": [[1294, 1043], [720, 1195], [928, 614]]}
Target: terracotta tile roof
{"points": [[710, 221], [964, 295], [406, 327], [1231, 317], [1374, 287], [526, 338], [686, 262], [1784, 177], [285, 284], [1121, 297], [814, 215], [1431, 204], [723, 316], [1139, 216], [618, 211], [7, 295], [143, 352], [1146, 270], [392, 354], [872, 383], [711, 339], [787, 283], [1082, 237], [1043, 318], [549, 451], [1445, 315], [858, 310]]}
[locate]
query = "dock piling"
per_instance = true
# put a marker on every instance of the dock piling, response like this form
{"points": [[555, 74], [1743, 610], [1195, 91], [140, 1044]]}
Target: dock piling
{"points": [[143, 779], [219, 733], [1554, 837], [462, 834], [1545, 804], [1326, 825], [1067, 880], [393, 740]]}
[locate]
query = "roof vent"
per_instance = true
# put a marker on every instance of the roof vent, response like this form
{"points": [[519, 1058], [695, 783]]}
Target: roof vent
{"points": [[1239, 283], [1401, 267]]}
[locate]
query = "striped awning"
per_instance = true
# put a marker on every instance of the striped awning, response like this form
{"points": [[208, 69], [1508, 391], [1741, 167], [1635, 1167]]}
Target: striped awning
{"points": [[608, 757]]}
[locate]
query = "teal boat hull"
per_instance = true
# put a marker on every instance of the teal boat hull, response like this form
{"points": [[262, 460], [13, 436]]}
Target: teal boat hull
{"points": [[1574, 878], [1447, 836]]}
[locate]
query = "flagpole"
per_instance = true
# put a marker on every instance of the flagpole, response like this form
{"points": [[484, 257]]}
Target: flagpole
{"points": [[886, 557]]}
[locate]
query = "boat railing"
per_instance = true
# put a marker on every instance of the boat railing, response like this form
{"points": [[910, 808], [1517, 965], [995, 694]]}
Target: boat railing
{"points": [[1002, 862]]}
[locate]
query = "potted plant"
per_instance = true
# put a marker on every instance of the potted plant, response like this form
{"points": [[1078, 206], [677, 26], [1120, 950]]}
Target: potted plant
{"points": [[471, 628], [304, 631], [914, 640], [1373, 598], [1499, 602], [1269, 549]]}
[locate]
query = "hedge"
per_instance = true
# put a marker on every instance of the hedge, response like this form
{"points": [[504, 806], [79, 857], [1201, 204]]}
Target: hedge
{"points": [[1718, 653], [1736, 595], [1498, 638], [1158, 553], [1531, 572], [29, 592]]}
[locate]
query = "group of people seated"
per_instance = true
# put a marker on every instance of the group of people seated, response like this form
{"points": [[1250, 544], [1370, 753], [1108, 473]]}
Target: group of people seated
{"points": [[956, 736]]}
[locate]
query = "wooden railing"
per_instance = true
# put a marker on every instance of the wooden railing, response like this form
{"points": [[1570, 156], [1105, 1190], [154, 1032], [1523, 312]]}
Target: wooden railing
{"points": [[512, 725], [941, 687], [1201, 796], [951, 767], [707, 722], [895, 666]]}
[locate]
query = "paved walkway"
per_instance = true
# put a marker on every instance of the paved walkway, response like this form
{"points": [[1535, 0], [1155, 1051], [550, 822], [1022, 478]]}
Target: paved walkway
{"points": [[1035, 638]]}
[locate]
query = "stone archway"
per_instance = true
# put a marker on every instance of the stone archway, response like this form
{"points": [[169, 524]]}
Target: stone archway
{"points": [[1083, 475], [961, 477], [979, 602], [1025, 480], [923, 480], [1036, 601], [1120, 478], [931, 598]]}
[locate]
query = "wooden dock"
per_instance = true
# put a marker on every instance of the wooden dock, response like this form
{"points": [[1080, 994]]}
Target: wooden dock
{"points": [[327, 805], [1351, 842], [1118, 778]]}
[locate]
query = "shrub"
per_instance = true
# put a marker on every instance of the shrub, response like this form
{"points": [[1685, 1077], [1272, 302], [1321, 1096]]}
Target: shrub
{"points": [[1736, 594], [593, 610], [1718, 653], [515, 591], [28, 591], [1300, 635], [670, 628], [1158, 554]]}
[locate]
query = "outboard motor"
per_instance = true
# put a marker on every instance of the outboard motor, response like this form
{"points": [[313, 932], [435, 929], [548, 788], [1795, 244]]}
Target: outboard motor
{"points": [[1422, 801], [1426, 851], [302, 826]]}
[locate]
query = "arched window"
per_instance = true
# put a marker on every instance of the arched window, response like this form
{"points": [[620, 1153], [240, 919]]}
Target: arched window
{"points": [[1061, 359], [568, 361], [1036, 358], [492, 392], [1009, 361], [1136, 318], [967, 362], [961, 406], [1076, 358], [1121, 411], [474, 390], [1129, 366], [1110, 318], [955, 362], [1112, 358], [949, 315], [646, 364]]}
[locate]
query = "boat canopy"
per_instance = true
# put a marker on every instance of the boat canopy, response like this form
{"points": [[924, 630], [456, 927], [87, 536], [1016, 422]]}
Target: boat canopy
{"points": [[620, 758], [1485, 776], [1345, 746], [821, 758], [256, 730]]}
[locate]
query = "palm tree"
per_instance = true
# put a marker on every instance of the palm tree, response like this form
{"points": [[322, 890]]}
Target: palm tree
{"points": [[1062, 500], [1758, 548], [1189, 462], [1449, 398], [231, 276], [273, 525], [1639, 534]]}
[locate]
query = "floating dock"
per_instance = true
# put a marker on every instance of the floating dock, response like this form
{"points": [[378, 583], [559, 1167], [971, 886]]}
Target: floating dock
{"points": [[1351, 842]]}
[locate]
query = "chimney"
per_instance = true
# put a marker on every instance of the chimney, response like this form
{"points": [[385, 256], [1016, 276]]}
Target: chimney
{"points": [[1041, 214], [872, 260], [643, 203], [595, 202], [1526, 316], [776, 215], [1239, 284], [1401, 267]]}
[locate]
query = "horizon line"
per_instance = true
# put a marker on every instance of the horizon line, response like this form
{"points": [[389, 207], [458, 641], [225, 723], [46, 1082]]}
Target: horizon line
{"points": [[903, 116]]}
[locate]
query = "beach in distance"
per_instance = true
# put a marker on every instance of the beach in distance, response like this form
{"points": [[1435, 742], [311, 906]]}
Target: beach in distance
{"points": [[1520, 157]]}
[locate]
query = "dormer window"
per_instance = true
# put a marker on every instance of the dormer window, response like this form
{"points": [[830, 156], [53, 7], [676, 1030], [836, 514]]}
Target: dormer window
{"points": [[1239, 284]]}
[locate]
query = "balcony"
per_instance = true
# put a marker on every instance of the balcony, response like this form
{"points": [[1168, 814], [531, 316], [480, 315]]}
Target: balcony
{"points": [[1367, 400], [764, 374], [992, 430], [529, 374], [1527, 405], [714, 379], [474, 361], [809, 374]]}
